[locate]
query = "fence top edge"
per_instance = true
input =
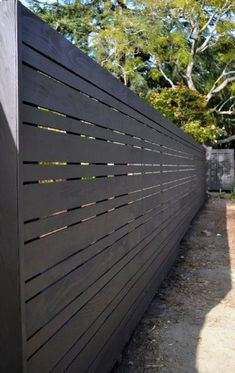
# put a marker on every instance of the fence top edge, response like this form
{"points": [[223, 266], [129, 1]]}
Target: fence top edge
{"points": [[136, 102]]}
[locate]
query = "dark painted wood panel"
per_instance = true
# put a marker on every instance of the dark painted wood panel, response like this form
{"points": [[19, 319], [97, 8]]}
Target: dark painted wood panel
{"points": [[35, 116], [40, 90], [41, 36], [43, 226], [117, 284], [46, 65], [42, 253], [126, 125], [68, 217], [98, 190], [63, 268], [81, 277], [41, 200], [43, 145], [11, 312], [35, 172], [117, 320]]}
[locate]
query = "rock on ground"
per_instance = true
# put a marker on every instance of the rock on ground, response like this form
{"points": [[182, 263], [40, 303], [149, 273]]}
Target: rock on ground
{"points": [[190, 325]]}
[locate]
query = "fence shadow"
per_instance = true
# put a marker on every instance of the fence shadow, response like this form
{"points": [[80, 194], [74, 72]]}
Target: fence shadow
{"points": [[180, 327], [10, 336]]}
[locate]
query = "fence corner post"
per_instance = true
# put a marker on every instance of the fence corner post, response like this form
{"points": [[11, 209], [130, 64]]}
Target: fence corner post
{"points": [[11, 341]]}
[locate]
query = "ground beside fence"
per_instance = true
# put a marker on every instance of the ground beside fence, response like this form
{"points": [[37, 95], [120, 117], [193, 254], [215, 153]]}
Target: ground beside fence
{"points": [[190, 325]]}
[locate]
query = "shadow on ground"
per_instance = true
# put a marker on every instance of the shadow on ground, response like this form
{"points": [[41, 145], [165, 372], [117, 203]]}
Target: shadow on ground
{"points": [[190, 325]]}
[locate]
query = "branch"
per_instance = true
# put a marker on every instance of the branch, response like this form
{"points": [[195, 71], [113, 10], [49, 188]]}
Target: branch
{"points": [[205, 44], [222, 105], [229, 72], [222, 85], [228, 112], [228, 140], [208, 22], [209, 37], [166, 77]]}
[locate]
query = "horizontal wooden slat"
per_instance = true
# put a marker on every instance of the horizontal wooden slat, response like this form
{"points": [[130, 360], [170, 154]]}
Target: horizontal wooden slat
{"points": [[119, 280], [43, 253], [120, 320], [36, 116], [45, 65], [36, 172], [44, 199], [53, 95], [63, 268], [43, 226], [109, 188], [70, 57], [90, 269], [128, 322], [44, 145]]}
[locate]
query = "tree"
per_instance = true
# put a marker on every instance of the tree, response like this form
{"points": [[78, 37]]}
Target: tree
{"points": [[187, 109], [153, 44]]}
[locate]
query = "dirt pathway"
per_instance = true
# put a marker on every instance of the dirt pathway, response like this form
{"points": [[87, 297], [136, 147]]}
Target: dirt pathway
{"points": [[190, 325]]}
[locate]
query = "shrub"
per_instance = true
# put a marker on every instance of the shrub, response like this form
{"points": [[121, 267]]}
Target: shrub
{"points": [[187, 109]]}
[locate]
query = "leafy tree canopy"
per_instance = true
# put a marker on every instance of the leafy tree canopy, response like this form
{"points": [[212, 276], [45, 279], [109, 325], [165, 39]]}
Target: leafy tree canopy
{"points": [[161, 49]]}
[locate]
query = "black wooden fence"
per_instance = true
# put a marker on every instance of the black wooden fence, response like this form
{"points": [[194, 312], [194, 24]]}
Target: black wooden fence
{"points": [[97, 190]]}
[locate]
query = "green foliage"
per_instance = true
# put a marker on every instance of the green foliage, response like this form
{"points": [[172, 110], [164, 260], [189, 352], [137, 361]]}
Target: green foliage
{"points": [[233, 193], [187, 109], [151, 44]]}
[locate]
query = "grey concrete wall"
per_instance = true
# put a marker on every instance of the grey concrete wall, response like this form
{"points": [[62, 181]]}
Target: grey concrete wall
{"points": [[220, 175]]}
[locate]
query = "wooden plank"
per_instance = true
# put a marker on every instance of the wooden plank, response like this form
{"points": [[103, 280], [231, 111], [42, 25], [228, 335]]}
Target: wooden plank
{"points": [[124, 317], [41, 200], [110, 321], [41, 227], [44, 333], [37, 359], [49, 67], [35, 172], [41, 90], [124, 330], [126, 252], [127, 126], [80, 286], [153, 271], [33, 115], [11, 317], [43, 145], [63, 290], [56, 197], [42, 38], [37, 228], [71, 263], [118, 283], [43, 253]]}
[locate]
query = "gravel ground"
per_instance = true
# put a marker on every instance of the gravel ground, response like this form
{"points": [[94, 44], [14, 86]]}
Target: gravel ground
{"points": [[190, 324]]}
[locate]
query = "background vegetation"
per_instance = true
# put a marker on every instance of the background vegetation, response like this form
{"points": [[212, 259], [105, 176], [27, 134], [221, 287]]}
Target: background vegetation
{"points": [[176, 54]]}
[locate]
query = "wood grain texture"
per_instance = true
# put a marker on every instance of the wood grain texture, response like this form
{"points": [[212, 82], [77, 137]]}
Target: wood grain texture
{"points": [[38, 34], [11, 349], [98, 190]]}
